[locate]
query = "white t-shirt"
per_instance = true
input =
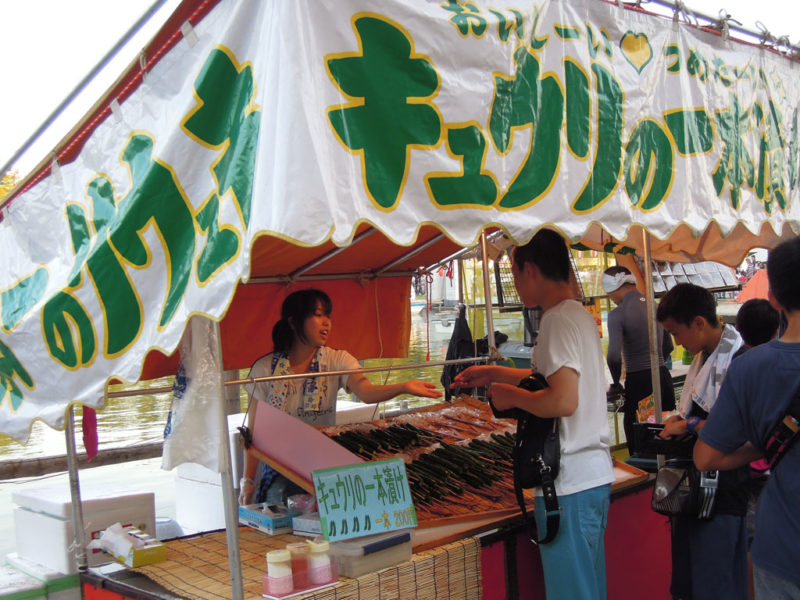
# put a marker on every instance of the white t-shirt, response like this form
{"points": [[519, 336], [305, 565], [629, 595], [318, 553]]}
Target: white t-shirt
{"points": [[568, 337], [329, 360]]}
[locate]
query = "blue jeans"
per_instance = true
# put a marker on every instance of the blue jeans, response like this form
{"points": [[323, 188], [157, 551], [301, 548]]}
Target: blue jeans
{"points": [[575, 561], [771, 587]]}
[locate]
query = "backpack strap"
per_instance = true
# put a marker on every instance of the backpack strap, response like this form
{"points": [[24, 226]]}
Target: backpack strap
{"points": [[551, 507], [783, 435]]}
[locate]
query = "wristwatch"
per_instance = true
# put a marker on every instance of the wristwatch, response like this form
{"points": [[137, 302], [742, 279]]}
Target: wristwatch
{"points": [[691, 425]]}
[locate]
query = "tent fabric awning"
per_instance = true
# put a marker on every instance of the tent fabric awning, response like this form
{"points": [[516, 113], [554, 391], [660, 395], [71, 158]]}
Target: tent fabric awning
{"points": [[294, 144]]}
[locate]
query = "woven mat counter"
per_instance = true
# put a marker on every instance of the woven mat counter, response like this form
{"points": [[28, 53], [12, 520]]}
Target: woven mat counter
{"points": [[197, 567]]}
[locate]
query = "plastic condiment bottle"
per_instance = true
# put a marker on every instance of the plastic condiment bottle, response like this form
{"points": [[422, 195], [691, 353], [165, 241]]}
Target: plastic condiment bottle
{"points": [[299, 552], [320, 569], [279, 572]]}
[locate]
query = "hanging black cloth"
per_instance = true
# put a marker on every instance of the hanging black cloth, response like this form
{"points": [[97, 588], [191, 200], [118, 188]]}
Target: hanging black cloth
{"points": [[460, 346]]}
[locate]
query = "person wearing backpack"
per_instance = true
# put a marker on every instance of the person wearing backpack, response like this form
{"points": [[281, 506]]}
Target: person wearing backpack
{"points": [[754, 399]]}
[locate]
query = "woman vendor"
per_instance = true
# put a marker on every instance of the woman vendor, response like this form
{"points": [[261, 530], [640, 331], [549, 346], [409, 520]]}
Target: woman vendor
{"points": [[299, 346]]}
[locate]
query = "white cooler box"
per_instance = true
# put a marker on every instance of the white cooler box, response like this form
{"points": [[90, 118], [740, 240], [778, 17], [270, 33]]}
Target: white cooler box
{"points": [[15, 585], [57, 586], [43, 522]]}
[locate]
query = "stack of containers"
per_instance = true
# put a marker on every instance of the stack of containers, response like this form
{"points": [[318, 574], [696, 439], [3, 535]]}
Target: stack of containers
{"points": [[300, 567]]}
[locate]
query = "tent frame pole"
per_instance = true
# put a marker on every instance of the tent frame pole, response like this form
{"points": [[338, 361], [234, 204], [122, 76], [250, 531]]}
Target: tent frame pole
{"points": [[229, 500], [652, 329], [75, 492], [487, 293]]}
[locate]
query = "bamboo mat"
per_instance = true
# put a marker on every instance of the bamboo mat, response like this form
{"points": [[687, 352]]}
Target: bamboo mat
{"points": [[197, 567]]}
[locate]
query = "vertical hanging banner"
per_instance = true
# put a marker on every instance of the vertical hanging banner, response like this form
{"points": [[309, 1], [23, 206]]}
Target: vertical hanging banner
{"points": [[304, 120], [363, 499]]}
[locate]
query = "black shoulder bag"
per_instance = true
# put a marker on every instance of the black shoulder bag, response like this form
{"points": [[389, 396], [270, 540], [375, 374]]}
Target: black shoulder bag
{"points": [[537, 453]]}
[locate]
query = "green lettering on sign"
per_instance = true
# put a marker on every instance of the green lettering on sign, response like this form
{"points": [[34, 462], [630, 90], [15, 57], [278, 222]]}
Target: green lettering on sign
{"points": [[526, 100], [770, 186], [68, 331], [474, 186], [11, 368], [17, 300], [578, 108], [607, 165], [691, 130], [648, 165], [390, 112], [155, 199], [467, 17], [225, 118], [735, 163], [506, 26]]}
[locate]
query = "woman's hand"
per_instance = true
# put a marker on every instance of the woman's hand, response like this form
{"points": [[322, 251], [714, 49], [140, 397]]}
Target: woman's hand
{"points": [[674, 427], [475, 376], [425, 389]]}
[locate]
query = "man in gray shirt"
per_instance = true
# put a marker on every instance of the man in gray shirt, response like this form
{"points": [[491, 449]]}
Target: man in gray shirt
{"points": [[628, 338]]}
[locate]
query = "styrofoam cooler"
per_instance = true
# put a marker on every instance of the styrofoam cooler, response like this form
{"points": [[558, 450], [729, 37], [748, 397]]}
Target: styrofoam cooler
{"points": [[43, 522], [57, 586], [15, 585]]}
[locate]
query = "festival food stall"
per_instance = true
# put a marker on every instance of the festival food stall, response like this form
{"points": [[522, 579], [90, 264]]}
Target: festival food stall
{"points": [[260, 147]]}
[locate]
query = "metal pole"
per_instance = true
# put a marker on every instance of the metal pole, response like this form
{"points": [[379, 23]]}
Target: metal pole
{"points": [[81, 85], [652, 329], [75, 492], [231, 382], [229, 500], [487, 291]]}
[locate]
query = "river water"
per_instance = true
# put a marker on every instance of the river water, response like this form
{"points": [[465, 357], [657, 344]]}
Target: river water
{"points": [[133, 420]]}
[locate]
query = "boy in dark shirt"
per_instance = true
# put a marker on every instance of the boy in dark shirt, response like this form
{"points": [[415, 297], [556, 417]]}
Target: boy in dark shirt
{"points": [[753, 399]]}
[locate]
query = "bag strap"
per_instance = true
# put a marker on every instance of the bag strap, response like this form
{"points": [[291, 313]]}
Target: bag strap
{"points": [[784, 434], [552, 509]]}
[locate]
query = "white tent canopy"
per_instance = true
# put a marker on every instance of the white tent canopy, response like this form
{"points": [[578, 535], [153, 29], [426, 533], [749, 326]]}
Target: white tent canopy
{"points": [[279, 128]]}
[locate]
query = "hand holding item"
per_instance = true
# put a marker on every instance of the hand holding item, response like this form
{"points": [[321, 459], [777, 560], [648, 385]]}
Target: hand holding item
{"points": [[675, 426], [246, 488], [616, 388], [501, 395], [475, 376], [425, 389]]}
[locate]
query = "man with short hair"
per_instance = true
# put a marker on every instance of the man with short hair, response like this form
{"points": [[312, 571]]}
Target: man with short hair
{"points": [[709, 558], [754, 398], [569, 354], [628, 336]]}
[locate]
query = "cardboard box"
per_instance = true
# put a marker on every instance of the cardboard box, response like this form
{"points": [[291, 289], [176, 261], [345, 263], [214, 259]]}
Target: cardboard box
{"points": [[43, 522], [358, 556], [266, 517], [153, 551], [57, 586]]}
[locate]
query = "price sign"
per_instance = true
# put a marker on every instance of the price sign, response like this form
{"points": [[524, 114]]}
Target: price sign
{"points": [[363, 499]]}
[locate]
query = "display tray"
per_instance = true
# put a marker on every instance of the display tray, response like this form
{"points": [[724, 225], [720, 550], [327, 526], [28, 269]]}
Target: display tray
{"points": [[197, 567], [457, 457]]}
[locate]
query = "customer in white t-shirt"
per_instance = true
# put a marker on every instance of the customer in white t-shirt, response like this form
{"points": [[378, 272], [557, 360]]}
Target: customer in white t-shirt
{"points": [[569, 354]]}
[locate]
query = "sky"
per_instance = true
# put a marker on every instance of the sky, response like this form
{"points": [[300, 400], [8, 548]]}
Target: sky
{"points": [[48, 46]]}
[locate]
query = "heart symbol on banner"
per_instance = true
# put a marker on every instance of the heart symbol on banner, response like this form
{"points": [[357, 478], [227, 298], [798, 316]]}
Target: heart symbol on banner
{"points": [[636, 49]]}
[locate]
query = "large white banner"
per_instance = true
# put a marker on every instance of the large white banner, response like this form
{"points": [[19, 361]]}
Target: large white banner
{"points": [[305, 118]]}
